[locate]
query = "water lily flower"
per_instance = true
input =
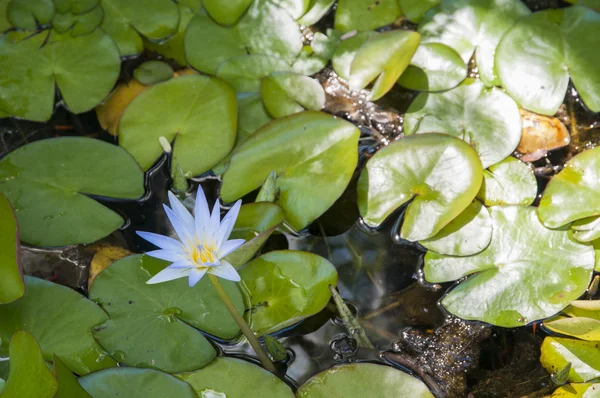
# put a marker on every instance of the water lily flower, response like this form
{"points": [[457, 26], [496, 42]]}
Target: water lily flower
{"points": [[202, 245]]}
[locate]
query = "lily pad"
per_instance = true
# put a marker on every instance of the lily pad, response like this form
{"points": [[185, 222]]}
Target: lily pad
{"points": [[365, 14], [414, 10], [577, 390], [549, 47], [528, 272], [252, 115], [363, 380], [573, 193], [61, 321], [111, 110], [152, 72], [306, 150], [226, 12], [315, 57], [174, 46], [63, 60], [469, 233], [487, 119], [317, 10], [132, 382], [245, 72], [510, 182], [583, 355], [439, 173], [580, 327], [68, 387], [285, 287], [27, 14], [346, 52], [434, 67], [286, 93], [235, 378], [78, 24], [29, 375], [473, 27], [12, 285], [198, 112], [75, 6], [154, 326], [586, 229], [47, 182]]}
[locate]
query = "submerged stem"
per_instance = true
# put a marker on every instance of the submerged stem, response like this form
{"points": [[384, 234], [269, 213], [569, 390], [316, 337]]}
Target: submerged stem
{"points": [[239, 319]]}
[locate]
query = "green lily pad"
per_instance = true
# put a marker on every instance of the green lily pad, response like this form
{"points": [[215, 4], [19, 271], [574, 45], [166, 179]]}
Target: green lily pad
{"points": [[155, 325], [441, 174], [315, 57], [235, 378], [174, 46], [487, 119], [47, 182], [580, 327], [346, 52], [363, 380], [577, 390], [132, 382], [198, 112], [64, 59], [583, 355], [317, 10], [296, 8], [207, 44], [473, 27], [469, 233], [27, 14], [75, 6], [152, 72], [573, 193], [510, 182], [79, 24], [306, 150], [29, 375], [285, 287], [528, 272], [286, 93], [252, 115], [12, 285], [118, 27], [269, 29], [226, 12], [586, 229], [434, 67], [68, 387], [60, 319], [255, 223], [549, 47], [365, 14], [414, 10], [245, 72]]}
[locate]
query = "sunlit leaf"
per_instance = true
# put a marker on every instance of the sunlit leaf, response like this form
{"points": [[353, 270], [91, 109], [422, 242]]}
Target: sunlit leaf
{"points": [[226, 12], [586, 229], [68, 387], [244, 72], [510, 182], [296, 8], [583, 355], [577, 390], [315, 57], [317, 10], [75, 6], [346, 52], [11, 273], [414, 10], [365, 14], [174, 46], [78, 24], [580, 327], [285, 93], [152, 72]]}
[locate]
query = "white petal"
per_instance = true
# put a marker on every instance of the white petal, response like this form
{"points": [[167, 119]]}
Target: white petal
{"points": [[228, 223], [201, 212], [168, 274], [181, 229], [195, 276], [225, 271], [167, 255], [215, 219], [164, 242], [229, 246], [180, 211]]}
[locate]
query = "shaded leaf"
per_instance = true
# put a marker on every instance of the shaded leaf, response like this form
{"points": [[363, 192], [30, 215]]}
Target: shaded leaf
{"points": [[414, 10], [244, 72], [226, 12], [110, 111], [12, 285], [315, 57], [285, 93], [365, 14], [68, 387], [152, 72]]}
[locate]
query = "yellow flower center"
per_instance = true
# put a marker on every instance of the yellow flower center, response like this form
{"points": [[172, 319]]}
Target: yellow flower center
{"points": [[202, 255]]}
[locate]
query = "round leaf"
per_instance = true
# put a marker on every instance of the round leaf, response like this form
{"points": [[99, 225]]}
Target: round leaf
{"points": [[131, 382], [285, 287], [313, 59], [235, 378], [510, 182], [12, 285], [61, 321], [155, 19], [583, 355], [346, 52], [487, 119], [198, 112], [580, 327], [577, 390], [536, 58], [441, 174], [47, 182], [244, 72], [414, 10], [110, 111], [174, 46], [68, 387], [118, 27], [155, 325], [226, 12], [365, 14], [586, 229], [26, 14], [285, 93], [363, 380], [152, 72], [313, 154], [528, 272]]}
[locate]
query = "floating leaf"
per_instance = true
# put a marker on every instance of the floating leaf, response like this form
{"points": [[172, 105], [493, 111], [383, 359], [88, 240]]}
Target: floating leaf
{"points": [[586, 229], [583, 355], [286, 93], [346, 52], [270, 30], [226, 12], [577, 390], [68, 387], [12, 285], [306, 150], [572, 194], [118, 27], [540, 135], [198, 112], [29, 375], [434, 67], [252, 115], [538, 55], [174, 46], [155, 325], [104, 255], [60, 319], [65, 60], [75, 6], [315, 57], [47, 182], [296, 8], [4, 26], [363, 379], [132, 382], [528, 272], [152, 72], [510, 182], [365, 14], [441, 174], [488, 119], [235, 378], [27, 14], [244, 72], [414, 10], [473, 27], [317, 10], [79, 24], [580, 327], [469, 233], [110, 111], [285, 287]]}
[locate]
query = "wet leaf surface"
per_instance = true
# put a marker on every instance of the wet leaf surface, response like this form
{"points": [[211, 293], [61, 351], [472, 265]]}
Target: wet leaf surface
{"points": [[174, 46], [12, 285], [583, 355], [286, 93], [27, 14], [365, 14], [510, 182]]}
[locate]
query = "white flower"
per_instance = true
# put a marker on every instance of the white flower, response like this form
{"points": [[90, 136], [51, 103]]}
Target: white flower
{"points": [[202, 243]]}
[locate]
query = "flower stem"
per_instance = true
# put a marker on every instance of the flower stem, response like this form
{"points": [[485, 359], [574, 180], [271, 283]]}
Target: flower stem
{"points": [[252, 339]]}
